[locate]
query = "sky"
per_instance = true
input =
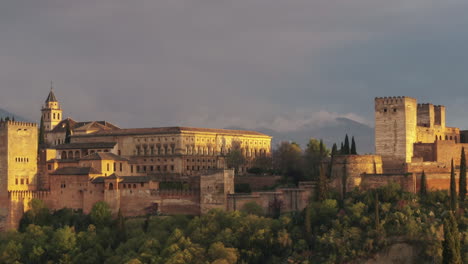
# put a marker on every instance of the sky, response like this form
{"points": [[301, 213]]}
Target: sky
{"points": [[245, 63]]}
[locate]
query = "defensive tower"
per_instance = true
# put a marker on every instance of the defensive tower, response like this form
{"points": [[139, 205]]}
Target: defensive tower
{"points": [[395, 130], [51, 111]]}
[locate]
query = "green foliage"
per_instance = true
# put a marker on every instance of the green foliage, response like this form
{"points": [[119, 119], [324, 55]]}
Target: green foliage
{"points": [[41, 136], [451, 244], [462, 179], [235, 159], [423, 186], [315, 152], [101, 214], [253, 208], [353, 150], [327, 231], [288, 161], [346, 149], [453, 189]]}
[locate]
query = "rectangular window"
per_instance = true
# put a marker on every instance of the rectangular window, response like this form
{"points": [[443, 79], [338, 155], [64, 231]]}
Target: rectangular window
{"points": [[158, 168], [49, 166], [172, 167], [22, 181], [108, 167], [151, 168], [115, 166], [144, 168], [138, 168], [131, 168], [120, 166], [165, 167], [16, 181], [188, 167]]}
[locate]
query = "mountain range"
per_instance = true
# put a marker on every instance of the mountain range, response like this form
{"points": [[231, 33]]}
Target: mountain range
{"points": [[332, 132], [5, 113]]}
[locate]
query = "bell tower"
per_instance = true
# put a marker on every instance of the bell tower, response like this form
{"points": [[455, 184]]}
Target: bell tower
{"points": [[51, 111]]}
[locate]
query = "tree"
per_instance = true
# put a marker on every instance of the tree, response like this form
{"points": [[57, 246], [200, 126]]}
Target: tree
{"points": [[218, 253], [288, 160], [101, 214], [451, 251], [253, 208], [315, 152], [334, 150], [322, 185], [235, 159], [42, 132], [423, 187], [68, 134], [262, 163], [376, 211], [341, 151], [353, 147], [453, 189], [346, 150], [462, 179]]}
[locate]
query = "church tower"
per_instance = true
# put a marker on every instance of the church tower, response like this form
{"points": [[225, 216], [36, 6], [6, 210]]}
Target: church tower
{"points": [[51, 111]]}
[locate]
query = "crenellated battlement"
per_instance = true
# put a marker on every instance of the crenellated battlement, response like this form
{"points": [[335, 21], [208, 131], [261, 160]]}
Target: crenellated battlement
{"points": [[17, 124], [392, 100]]}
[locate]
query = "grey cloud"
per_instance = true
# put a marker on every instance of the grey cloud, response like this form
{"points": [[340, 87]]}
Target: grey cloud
{"points": [[221, 63]]}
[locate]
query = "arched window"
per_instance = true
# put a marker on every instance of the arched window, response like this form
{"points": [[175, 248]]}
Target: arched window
{"points": [[70, 154], [437, 138], [77, 154], [124, 186], [451, 138], [446, 137], [111, 186], [134, 186], [64, 155]]}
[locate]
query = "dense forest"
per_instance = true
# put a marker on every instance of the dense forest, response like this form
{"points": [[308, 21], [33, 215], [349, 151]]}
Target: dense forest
{"points": [[332, 230]]}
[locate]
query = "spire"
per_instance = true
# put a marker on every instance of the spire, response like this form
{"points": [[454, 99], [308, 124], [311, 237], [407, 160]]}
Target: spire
{"points": [[51, 97]]}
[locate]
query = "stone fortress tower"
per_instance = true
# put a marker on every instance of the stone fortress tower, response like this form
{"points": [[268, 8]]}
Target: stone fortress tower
{"points": [[51, 111], [395, 129], [409, 138]]}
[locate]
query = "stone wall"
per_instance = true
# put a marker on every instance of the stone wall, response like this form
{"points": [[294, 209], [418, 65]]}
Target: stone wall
{"points": [[372, 181], [214, 189], [257, 183], [352, 167], [291, 199]]}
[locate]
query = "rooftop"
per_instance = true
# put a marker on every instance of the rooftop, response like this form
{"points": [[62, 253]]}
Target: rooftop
{"points": [[171, 130]]}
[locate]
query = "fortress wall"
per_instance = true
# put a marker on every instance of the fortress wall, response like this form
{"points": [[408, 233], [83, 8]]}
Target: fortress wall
{"points": [[372, 181], [257, 182], [424, 151], [448, 150], [352, 167], [214, 189]]}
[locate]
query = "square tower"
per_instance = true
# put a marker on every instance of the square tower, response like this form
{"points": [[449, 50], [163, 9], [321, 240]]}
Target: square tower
{"points": [[395, 129], [18, 156]]}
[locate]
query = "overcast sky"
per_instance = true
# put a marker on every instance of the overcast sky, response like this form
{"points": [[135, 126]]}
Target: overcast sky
{"points": [[219, 63]]}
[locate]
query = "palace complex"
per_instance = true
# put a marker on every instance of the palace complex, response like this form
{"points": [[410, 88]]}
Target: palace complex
{"points": [[409, 138], [182, 170]]}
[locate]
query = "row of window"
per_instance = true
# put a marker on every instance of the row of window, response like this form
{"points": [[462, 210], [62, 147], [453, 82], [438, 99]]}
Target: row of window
{"points": [[21, 159], [152, 139], [447, 138], [21, 181], [165, 150], [151, 168], [198, 168], [120, 165], [56, 116], [77, 154]]}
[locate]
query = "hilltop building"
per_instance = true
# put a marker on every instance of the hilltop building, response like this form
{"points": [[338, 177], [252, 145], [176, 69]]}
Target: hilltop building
{"points": [[168, 170], [409, 138]]}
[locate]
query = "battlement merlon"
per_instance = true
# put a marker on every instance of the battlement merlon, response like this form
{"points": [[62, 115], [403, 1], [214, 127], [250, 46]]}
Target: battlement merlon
{"points": [[17, 124]]}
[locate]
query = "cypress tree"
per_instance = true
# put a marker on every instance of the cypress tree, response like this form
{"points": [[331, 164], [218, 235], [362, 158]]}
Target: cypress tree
{"points": [[462, 179], [342, 149], [376, 211], [353, 147], [68, 134], [41, 132], [451, 252], [323, 185], [346, 145], [334, 150], [423, 187], [453, 190]]}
